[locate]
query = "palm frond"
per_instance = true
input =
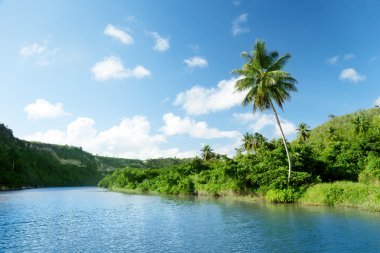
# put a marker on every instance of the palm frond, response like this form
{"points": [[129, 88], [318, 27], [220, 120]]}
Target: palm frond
{"points": [[279, 63]]}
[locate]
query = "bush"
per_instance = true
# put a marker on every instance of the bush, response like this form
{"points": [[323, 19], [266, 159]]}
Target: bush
{"points": [[371, 174], [288, 195], [343, 193]]}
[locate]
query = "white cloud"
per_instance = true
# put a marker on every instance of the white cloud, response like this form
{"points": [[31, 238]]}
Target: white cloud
{"points": [[33, 49], [44, 109], [333, 60], [236, 2], [349, 56], [237, 25], [162, 44], [351, 74], [200, 100], [112, 68], [175, 125], [377, 102], [118, 34], [194, 47], [196, 61], [39, 52], [229, 149], [259, 122], [130, 18], [132, 138], [337, 58]]}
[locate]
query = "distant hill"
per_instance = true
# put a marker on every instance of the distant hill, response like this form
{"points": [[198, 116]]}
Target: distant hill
{"points": [[34, 164], [343, 128]]}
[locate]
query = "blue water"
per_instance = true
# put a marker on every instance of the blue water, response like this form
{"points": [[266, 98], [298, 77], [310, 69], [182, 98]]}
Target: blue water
{"points": [[89, 219]]}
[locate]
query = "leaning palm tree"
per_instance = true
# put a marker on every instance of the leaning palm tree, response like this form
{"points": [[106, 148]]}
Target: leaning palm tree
{"points": [[207, 152], [266, 83], [303, 131]]}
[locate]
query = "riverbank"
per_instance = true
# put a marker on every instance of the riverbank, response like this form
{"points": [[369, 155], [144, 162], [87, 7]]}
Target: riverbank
{"points": [[338, 194], [343, 194], [227, 195]]}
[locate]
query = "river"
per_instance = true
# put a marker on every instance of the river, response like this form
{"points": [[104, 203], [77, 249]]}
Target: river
{"points": [[89, 219]]}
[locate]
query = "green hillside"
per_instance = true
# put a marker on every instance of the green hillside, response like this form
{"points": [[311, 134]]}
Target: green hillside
{"points": [[351, 152], [34, 164], [30, 164], [342, 128]]}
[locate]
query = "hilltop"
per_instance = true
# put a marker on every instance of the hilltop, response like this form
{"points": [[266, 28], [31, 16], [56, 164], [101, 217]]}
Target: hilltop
{"points": [[26, 164], [342, 128]]}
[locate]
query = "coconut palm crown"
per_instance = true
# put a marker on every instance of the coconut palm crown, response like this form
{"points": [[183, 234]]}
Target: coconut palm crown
{"points": [[266, 83], [207, 152], [303, 131]]}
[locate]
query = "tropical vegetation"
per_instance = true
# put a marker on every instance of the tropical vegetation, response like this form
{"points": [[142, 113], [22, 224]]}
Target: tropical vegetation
{"points": [[318, 165]]}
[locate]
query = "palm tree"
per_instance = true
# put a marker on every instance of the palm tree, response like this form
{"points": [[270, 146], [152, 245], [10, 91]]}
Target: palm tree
{"points": [[266, 83], [332, 135], [303, 131], [257, 141], [361, 125], [207, 152], [247, 142], [331, 116]]}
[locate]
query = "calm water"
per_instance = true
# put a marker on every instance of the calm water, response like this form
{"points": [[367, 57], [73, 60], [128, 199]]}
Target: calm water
{"points": [[89, 219]]}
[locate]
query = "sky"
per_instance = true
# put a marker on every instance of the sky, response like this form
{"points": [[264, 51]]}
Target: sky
{"points": [[146, 79]]}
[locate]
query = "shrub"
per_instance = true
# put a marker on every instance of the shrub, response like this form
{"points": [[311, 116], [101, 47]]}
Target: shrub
{"points": [[371, 174], [288, 195]]}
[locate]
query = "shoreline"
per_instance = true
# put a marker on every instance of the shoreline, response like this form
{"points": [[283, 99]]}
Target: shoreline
{"points": [[247, 198]]}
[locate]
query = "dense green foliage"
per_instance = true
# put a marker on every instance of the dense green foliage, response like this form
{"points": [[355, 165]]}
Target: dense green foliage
{"points": [[245, 174], [262, 169], [27, 164], [32, 164]]}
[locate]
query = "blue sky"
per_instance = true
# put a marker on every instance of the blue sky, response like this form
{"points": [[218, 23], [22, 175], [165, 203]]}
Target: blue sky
{"points": [[142, 79]]}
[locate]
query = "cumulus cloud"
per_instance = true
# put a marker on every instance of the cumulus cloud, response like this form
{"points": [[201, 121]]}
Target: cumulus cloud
{"points": [[201, 100], [161, 43], [118, 34], [352, 75], [175, 125], [196, 61], [238, 25], [39, 52], [132, 138], [262, 121], [112, 68], [42, 108], [337, 58], [377, 102]]}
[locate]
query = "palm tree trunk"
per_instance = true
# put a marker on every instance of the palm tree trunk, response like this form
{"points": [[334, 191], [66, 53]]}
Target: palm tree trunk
{"points": [[283, 140]]}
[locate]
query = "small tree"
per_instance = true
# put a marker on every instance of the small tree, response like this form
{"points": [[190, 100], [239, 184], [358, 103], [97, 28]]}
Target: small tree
{"points": [[207, 152], [303, 131], [247, 142], [361, 125]]}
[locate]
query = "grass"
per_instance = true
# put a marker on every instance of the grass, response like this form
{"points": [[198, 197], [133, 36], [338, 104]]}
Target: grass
{"points": [[343, 194]]}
